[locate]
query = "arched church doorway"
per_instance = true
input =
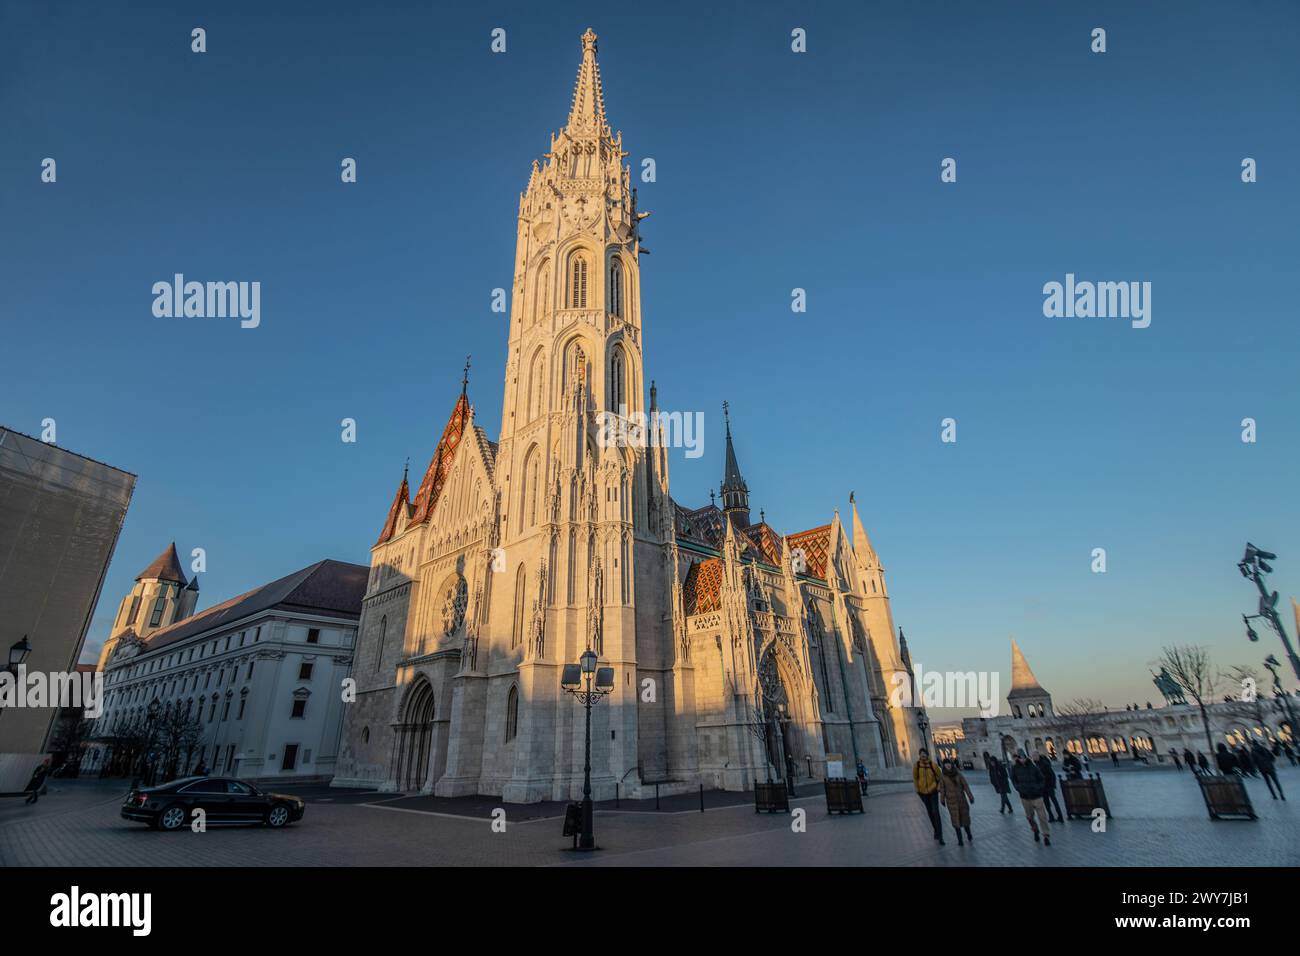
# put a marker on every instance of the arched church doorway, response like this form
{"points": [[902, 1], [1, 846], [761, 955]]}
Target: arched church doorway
{"points": [[415, 736]]}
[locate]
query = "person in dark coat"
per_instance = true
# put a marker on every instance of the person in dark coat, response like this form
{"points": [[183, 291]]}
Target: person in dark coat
{"points": [[1202, 763], [1045, 767], [33, 788], [1226, 761], [1190, 758], [998, 777], [1266, 766], [1178, 764], [1072, 767], [1244, 764], [1029, 783], [954, 793]]}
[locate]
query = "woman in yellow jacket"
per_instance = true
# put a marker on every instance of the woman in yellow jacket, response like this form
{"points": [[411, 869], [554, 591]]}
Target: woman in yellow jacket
{"points": [[925, 777]]}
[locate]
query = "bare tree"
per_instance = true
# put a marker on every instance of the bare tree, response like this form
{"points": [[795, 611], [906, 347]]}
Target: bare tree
{"points": [[69, 738], [175, 734], [1082, 713], [1190, 665]]}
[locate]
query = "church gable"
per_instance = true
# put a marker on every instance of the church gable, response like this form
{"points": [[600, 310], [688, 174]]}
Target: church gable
{"points": [[814, 545], [435, 476]]}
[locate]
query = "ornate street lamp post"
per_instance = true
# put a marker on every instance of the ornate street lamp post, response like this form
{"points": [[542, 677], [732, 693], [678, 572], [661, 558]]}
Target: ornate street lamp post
{"points": [[923, 722], [1253, 565], [1271, 663], [17, 654], [577, 680]]}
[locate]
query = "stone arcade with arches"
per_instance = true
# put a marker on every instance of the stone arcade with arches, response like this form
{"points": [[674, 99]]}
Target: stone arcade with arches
{"points": [[1146, 733], [737, 651]]}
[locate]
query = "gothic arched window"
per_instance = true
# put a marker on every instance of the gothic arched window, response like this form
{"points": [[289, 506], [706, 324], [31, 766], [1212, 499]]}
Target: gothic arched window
{"points": [[615, 288], [521, 581], [529, 490], [617, 396], [578, 283], [541, 299], [537, 386], [512, 713]]}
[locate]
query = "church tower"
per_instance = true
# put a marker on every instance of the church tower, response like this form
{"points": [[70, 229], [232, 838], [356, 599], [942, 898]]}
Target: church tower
{"points": [[892, 659], [160, 596], [576, 486]]}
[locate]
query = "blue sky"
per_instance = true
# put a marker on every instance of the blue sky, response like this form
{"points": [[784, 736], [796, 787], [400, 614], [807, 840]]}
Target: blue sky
{"points": [[774, 171]]}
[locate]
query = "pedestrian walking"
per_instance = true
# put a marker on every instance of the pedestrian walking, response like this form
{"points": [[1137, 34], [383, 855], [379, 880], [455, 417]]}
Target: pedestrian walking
{"points": [[1190, 758], [1290, 752], [1226, 761], [1114, 758], [1049, 787], [954, 793], [1266, 765], [1029, 783], [1178, 764], [1202, 762], [925, 777], [1072, 767], [34, 785], [862, 777], [1245, 764], [998, 777]]}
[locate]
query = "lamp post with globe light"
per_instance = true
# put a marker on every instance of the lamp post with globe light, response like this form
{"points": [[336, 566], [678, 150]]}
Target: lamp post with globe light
{"points": [[577, 679]]}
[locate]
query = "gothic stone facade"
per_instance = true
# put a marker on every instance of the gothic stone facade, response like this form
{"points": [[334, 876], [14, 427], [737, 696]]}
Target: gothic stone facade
{"points": [[734, 649]]}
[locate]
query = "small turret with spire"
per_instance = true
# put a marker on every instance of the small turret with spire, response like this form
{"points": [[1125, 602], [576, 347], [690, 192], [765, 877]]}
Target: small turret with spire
{"points": [[735, 493]]}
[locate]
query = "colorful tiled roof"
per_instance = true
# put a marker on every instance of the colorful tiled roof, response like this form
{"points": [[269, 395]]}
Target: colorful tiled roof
{"points": [[426, 499], [401, 502], [701, 592], [815, 544], [766, 542], [704, 525]]}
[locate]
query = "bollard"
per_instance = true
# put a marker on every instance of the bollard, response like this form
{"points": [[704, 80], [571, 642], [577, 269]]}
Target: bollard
{"points": [[615, 796], [656, 796], [701, 798]]}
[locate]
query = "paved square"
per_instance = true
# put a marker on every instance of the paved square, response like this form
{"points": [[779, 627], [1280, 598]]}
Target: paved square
{"points": [[1159, 820]]}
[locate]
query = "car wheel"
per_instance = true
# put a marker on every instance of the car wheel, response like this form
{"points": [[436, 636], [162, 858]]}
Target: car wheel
{"points": [[172, 818], [278, 816]]}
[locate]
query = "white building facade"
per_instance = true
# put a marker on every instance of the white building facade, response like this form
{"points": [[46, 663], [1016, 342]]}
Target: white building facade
{"points": [[259, 679]]}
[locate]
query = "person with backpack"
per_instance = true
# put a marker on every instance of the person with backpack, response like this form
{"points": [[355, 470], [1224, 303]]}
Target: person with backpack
{"points": [[925, 777]]}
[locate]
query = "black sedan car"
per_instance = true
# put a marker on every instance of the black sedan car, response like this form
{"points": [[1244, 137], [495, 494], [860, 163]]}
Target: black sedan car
{"points": [[223, 801]]}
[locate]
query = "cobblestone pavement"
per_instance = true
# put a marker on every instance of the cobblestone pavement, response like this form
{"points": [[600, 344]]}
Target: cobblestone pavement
{"points": [[1159, 819]]}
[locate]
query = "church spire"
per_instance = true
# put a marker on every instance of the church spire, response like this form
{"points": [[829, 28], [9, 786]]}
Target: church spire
{"points": [[587, 112], [862, 548], [735, 493]]}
